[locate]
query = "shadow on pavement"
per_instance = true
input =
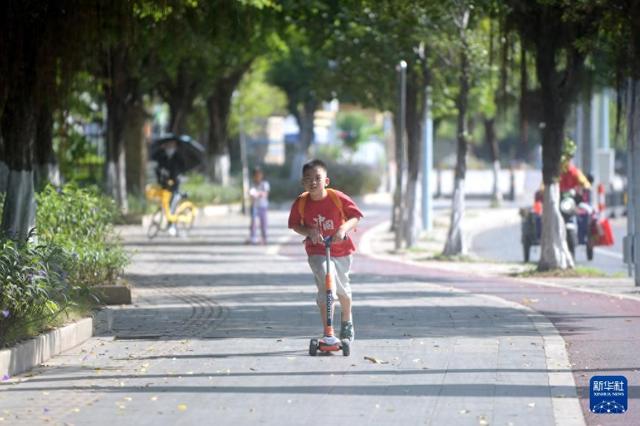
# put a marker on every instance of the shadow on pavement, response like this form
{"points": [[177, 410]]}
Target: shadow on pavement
{"points": [[408, 390]]}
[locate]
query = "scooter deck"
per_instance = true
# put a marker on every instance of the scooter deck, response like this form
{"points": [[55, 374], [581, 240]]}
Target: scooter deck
{"points": [[329, 348]]}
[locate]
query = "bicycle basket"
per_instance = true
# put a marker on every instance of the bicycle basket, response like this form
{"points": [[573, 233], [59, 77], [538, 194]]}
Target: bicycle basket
{"points": [[153, 192]]}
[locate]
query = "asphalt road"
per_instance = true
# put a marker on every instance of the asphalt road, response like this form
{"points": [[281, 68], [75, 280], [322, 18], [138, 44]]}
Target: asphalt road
{"points": [[503, 244]]}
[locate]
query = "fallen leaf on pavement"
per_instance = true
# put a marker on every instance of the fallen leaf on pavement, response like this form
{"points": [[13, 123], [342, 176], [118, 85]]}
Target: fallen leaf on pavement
{"points": [[375, 360], [182, 407]]}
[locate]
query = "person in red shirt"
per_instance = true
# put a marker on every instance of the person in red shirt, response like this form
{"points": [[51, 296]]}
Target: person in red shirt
{"points": [[327, 212], [570, 176]]}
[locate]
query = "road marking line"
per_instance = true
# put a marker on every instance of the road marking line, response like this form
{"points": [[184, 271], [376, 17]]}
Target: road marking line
{"points": [[608, 252]]}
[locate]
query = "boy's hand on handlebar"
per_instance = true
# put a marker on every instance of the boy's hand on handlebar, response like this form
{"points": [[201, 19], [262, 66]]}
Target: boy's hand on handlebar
{"points": [[339, 236], [315, 236]]}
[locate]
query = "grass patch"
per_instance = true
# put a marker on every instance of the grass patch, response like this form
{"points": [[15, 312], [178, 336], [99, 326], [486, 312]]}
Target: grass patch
{"points": [[416, 249], [577, 272], [455, 258], [619, 275], [431, 239]]}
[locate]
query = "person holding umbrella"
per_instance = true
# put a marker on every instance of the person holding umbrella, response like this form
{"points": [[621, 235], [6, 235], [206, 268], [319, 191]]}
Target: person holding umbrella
{"points": [[168, 170], [175, 155]]}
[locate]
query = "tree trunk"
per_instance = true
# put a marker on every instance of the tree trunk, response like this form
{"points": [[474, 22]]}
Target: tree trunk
{"points": [[115, 174], [181, 95], [490, 138], [396, 212], [46, 168], [4, 175], [120, 92], [455, 242], [415, 111], [524, 87], [136, 149], [455, 239], [18, 126], [219, 109], [554, 252], [19, 93], [305, 120], [217, 147]]}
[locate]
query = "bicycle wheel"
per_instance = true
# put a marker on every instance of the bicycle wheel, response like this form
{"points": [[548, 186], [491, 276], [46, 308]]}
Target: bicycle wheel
{"points": [[156, 224], [186, 219]]}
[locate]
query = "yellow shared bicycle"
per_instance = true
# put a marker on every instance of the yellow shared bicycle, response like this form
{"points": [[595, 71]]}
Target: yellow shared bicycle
{"points": [[184, 216]]}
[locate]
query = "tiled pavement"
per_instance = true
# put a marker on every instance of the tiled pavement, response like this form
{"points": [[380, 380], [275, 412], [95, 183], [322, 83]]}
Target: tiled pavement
{"points": [[218, 334]]}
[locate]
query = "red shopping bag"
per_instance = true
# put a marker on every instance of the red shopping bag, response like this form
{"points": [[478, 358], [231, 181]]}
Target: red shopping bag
{"points": [[601, 232]]}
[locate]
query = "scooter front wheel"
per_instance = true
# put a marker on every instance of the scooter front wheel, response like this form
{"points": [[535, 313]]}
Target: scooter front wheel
{"points": [[346, 347], [313, 347]]}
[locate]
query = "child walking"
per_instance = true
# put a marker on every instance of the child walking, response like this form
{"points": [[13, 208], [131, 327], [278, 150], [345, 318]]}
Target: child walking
{"points": [[259, 194], [322, 212]]}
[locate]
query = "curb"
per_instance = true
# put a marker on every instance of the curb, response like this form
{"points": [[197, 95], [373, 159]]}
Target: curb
{"points": [[25, 356]]}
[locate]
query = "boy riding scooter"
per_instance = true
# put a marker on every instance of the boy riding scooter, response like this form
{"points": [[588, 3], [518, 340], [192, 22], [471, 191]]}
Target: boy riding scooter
{"points": [[318, 213]]}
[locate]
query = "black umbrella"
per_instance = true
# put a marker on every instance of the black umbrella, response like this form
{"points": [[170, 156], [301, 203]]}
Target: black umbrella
{"points": [[190, 152]]}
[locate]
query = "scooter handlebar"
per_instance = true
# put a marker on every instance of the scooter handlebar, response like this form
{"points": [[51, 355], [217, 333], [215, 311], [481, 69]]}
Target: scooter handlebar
{"points": [[327, 240]]}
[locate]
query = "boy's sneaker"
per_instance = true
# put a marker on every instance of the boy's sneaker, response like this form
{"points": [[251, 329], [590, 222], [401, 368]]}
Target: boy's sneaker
{"points": [[346, 331]]}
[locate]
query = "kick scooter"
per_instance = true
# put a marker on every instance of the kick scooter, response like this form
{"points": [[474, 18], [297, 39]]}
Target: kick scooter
{"points": [[329, 343]]}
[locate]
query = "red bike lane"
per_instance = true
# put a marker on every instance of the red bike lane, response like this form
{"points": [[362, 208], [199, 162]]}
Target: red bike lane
{"points": [[602, 333]]}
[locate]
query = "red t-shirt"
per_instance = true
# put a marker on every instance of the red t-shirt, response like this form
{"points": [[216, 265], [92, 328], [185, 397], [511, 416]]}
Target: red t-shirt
{"points": [[570, 179], [325, 215]]}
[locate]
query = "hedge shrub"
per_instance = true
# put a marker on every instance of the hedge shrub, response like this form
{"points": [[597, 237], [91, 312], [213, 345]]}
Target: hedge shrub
{"points": [[73, 248]]}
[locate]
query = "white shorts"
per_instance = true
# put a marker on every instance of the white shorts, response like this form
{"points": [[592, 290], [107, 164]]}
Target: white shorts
{"points": [[340, 267]]}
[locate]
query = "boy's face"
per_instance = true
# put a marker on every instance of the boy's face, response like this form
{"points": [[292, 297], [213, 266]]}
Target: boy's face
{"points": [[314, 180]]}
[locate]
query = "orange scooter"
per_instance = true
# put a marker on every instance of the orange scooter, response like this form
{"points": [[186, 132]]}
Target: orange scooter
{"points": [[329, 342]]}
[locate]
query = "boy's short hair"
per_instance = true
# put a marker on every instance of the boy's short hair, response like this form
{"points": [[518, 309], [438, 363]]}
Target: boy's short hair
{"points": [[314, 163]]}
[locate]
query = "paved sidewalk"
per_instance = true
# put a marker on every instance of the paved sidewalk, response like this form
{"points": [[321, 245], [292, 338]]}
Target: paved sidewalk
{"points": [[219, 330]]}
